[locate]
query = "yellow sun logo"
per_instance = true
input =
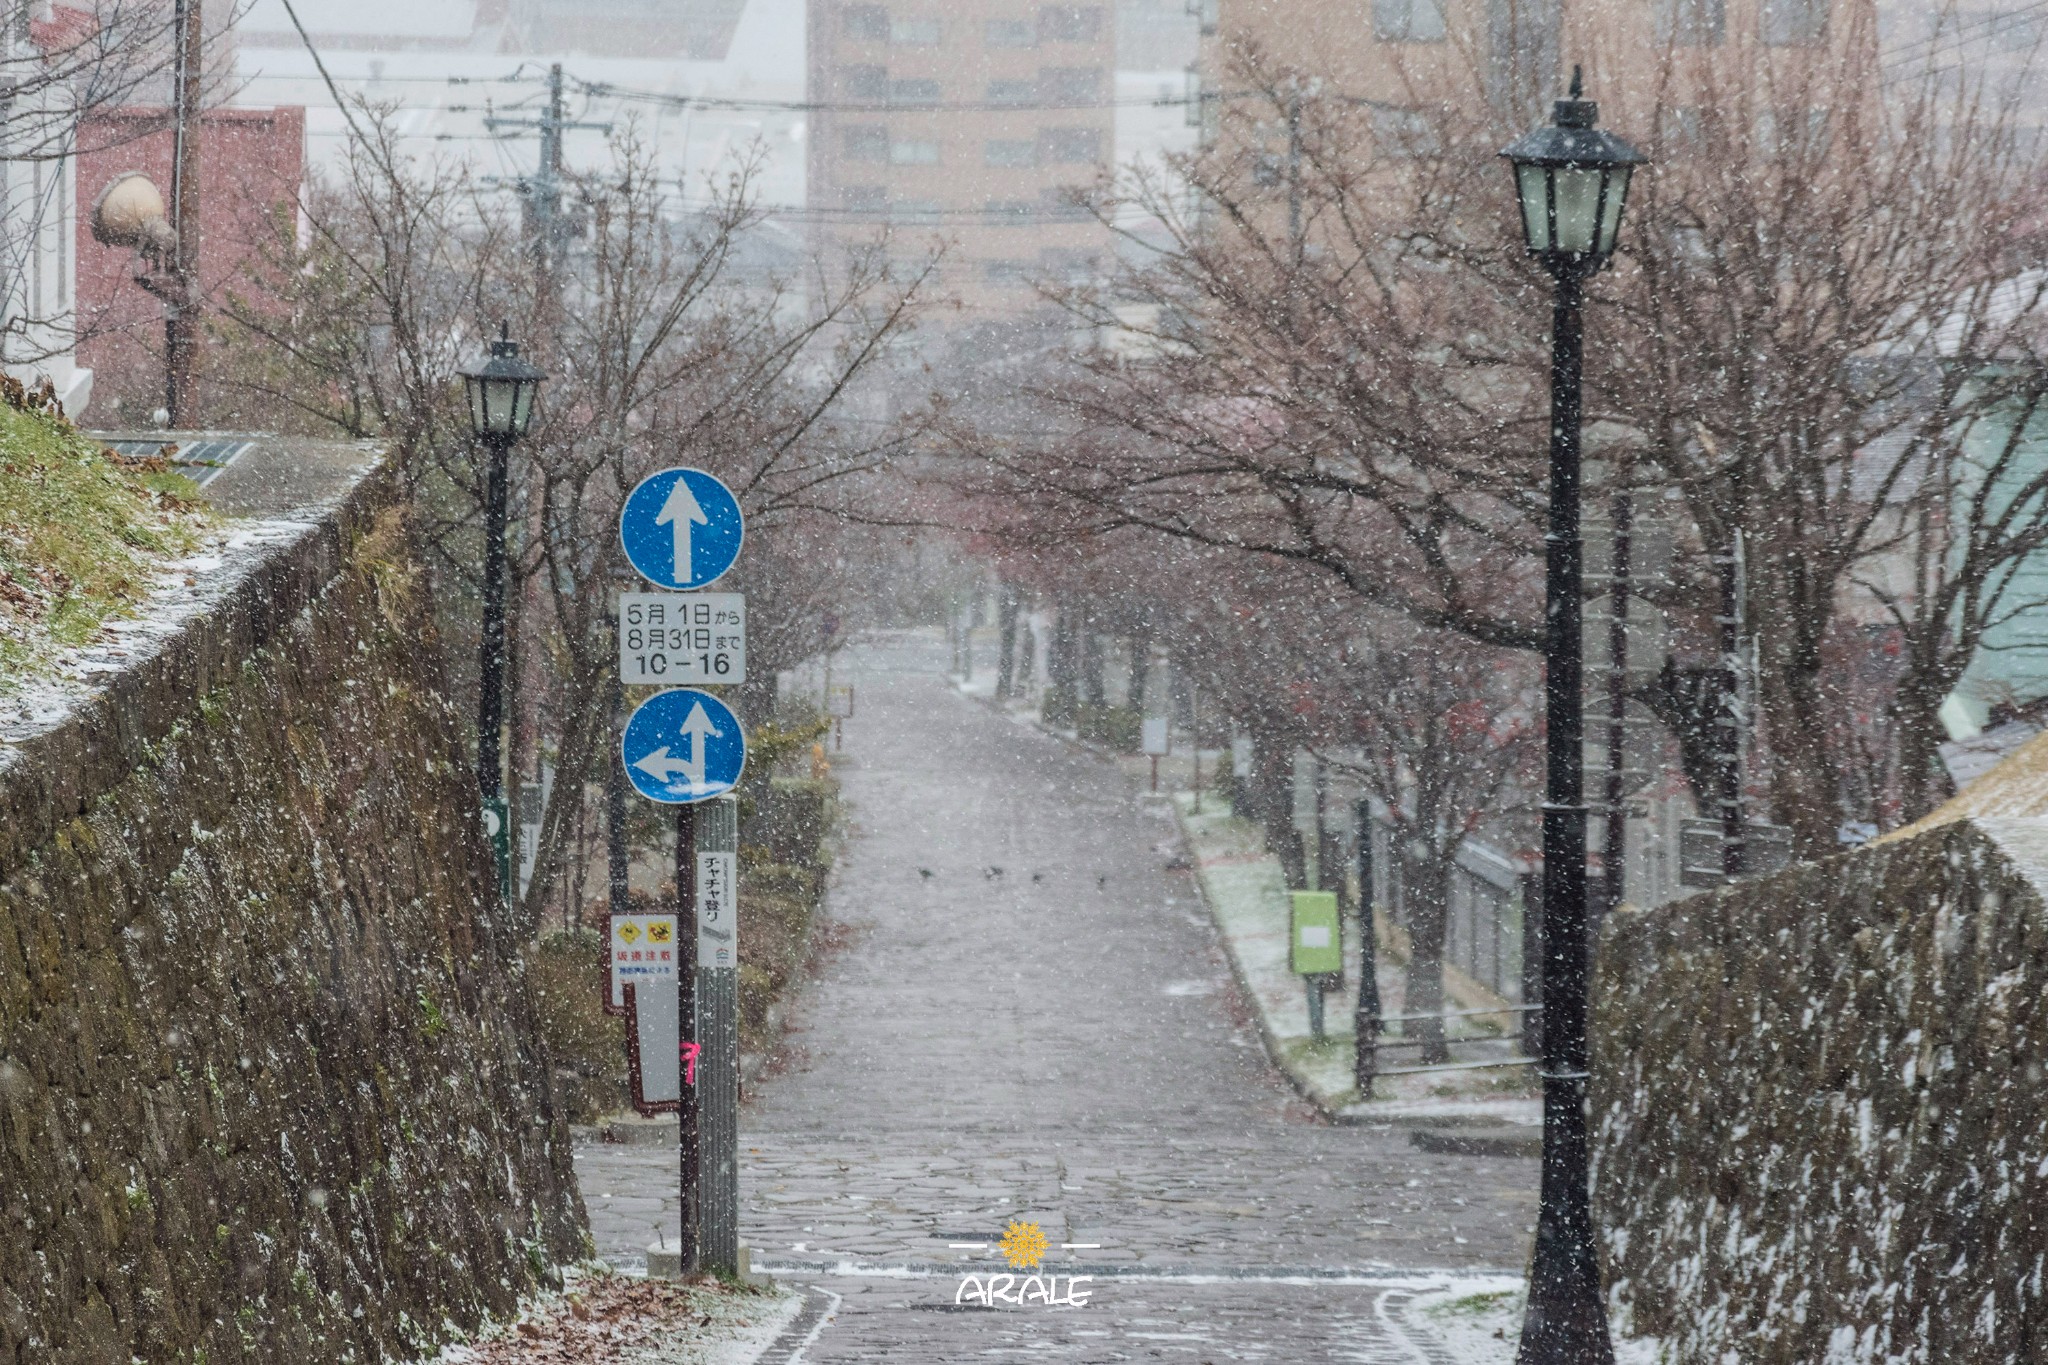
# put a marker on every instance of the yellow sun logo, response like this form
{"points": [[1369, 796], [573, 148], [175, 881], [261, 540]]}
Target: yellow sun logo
{"points": [[1023, 1245]]}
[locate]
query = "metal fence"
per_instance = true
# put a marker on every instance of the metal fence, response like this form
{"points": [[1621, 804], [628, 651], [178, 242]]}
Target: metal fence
{"points": [[1483, 934]]}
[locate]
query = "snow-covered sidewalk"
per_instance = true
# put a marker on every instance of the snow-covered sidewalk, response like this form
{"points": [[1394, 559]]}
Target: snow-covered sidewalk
{"points": [[1247, 896]]}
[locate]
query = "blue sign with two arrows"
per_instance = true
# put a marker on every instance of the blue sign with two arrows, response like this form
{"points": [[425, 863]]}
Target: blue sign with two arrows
{"points": [[681, 528], [683, 746]]}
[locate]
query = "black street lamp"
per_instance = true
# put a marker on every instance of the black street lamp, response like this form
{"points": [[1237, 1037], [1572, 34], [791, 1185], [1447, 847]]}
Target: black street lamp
{"points": [[1571, 179], [501, 393]]}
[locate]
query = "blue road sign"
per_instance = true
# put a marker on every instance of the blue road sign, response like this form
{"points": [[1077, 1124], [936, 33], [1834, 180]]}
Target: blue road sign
{"points": [[683, 746], [681, 528]]}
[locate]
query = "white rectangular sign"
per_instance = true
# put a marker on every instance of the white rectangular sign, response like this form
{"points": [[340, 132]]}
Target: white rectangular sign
{"points": [[682, 639], [718, 920], [1154, 734], [643, 948]]}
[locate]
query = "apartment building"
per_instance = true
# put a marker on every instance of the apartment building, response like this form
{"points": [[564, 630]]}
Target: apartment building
{"points": [[1645, 62], [965, 125]]}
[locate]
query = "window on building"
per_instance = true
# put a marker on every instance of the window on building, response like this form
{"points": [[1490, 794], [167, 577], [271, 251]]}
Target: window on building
{"points": [[1012, 92], [915, 211], [1792, 134], [869, 83], [1408, 21], [1069, 146], [1403, 132], [1005, 152], [869, 22], [864, 198], [1009, 33], [914, 32], [914, 92], [914, 153], [1792, 23], [1070, 266], [36, 307], [1009, 212], [1207, 13], [1681, 128], [1069, 24], [1006, 272], [1070, 84], [64, 190], [1059, 202], [1692, 23], [864, 142]]}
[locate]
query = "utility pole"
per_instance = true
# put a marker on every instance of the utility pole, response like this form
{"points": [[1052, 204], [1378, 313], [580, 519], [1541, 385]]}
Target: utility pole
{"points": [[1729, 724], [1294, 235], [1614, 850], [1365, 1023], [181, 306], [546, 227]]}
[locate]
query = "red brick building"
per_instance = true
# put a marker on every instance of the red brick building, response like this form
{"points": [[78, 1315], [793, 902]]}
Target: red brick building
{"points": [[252, 166]]}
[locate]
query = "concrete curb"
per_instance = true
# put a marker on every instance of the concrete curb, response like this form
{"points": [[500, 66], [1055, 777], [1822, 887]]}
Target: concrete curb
{"points": [[1466, 1142]]}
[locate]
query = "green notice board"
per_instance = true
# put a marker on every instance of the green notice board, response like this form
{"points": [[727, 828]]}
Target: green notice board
{"points": [[1317, 938]]}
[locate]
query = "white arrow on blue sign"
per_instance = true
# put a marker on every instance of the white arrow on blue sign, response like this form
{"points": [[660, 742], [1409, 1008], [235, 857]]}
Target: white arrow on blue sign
{"points": [[683, 746], [681, 528]]}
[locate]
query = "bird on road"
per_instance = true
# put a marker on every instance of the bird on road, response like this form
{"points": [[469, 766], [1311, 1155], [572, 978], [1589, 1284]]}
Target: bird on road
{"points": [[993, 873], [925, 873]]}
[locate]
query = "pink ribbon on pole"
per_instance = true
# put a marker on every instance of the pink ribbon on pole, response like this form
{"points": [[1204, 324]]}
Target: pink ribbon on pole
{"points": [[690, 1051]]}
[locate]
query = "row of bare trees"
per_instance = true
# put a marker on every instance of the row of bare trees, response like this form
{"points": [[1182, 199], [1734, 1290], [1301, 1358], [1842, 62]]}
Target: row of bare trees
{"points": [[1822, 343]]}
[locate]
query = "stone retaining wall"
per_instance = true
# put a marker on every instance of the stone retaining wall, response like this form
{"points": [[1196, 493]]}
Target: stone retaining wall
{"points": [[1819, 1111], [270, 1089]]}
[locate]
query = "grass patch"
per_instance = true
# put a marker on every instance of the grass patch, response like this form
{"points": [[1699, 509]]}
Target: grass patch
{"points": [[81, 529], [1473, 1305]]}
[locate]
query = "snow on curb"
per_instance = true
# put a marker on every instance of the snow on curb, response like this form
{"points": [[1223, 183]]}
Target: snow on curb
{"points": [[1246, 893], [1482, 1324]]}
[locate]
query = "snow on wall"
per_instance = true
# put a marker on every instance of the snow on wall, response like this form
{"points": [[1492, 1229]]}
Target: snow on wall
{"points": [[269, 1086], [1820, 1128]]}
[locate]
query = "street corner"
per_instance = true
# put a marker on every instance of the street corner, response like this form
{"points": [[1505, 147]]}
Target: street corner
{"points": [[606, 1318]]}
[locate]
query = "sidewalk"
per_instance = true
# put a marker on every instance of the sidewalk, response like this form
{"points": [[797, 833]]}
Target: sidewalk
{"points": [[1248, 898]]}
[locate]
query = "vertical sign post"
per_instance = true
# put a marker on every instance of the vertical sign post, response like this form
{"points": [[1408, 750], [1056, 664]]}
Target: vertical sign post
{"points": [[686, 1009], [682, 529], [718, 1036]]}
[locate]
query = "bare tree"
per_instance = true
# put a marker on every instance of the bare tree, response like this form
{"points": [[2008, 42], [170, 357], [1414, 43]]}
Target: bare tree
{"points": [[660, 350]]}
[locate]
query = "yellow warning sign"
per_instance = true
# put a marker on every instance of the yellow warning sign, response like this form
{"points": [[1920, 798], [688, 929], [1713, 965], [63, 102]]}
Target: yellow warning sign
{"points": [[644, 948]]}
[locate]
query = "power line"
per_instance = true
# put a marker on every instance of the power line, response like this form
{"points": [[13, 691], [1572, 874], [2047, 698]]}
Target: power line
{"points": [[1961, 36], [606, 90]]}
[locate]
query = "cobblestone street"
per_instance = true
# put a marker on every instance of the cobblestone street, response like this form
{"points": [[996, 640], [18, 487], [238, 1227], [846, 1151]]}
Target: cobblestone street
{"points": [[1023, 1013]]}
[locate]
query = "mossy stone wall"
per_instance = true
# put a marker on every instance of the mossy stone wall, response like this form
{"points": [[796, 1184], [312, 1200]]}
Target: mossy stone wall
{"points": [[270, 1087], [1820, 1123]]}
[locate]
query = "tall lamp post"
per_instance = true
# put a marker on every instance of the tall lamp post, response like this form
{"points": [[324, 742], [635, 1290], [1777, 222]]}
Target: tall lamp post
{"points": [[1571, 180], [501, 392]]}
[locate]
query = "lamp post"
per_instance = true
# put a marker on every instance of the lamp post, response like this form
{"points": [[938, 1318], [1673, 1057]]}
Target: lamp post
{"points": [[501, 392], [1571, 180]]}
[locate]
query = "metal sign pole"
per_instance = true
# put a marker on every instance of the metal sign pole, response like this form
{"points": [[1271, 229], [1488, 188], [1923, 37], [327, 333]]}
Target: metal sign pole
{"points": [[686, 993], [717, 1092]]}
